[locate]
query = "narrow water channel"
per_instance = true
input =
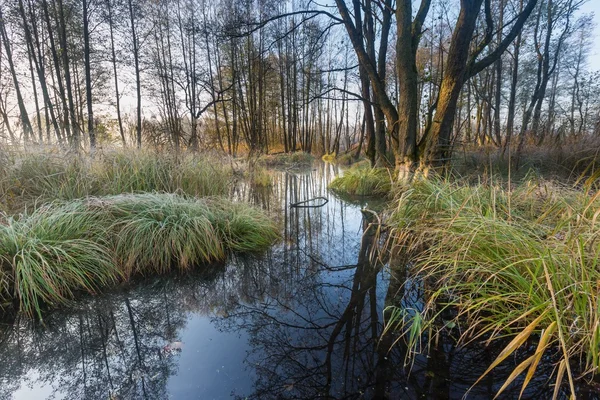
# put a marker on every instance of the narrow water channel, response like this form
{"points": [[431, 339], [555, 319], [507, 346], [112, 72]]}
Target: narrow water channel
{"points": [[302, 321]]}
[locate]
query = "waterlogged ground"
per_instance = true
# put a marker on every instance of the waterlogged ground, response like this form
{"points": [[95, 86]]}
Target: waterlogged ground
{"points": [[303, 321]]}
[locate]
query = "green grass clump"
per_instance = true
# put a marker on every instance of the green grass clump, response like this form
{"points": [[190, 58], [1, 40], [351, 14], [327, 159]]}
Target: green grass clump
{"points": [[363, 181], [518, 263], [243, 228], [48, 256], [156, 232], [347, 158], [82, 245]]}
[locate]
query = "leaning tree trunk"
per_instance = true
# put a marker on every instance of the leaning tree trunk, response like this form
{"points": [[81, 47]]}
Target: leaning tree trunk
{"points": [[138, 84], [27, 130], [437, 149], [88, 77], [460, 67], [510, 121]]}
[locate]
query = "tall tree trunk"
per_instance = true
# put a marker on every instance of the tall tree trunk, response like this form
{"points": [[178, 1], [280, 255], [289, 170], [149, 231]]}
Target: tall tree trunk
{"points": [[75, 137], [512, 102], [498, 88], [407, 43], [438, 141], [57, 71], [88, 76], [114, 64], [380, 135], [38, 115], [138, 82], [24, 117]]}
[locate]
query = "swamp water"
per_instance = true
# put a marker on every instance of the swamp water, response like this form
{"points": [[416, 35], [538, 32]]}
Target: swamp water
{"points": [[302, 321]]}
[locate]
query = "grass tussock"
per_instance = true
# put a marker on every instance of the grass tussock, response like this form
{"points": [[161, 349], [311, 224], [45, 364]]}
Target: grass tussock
{"points": [[363, 181], [84, 245], [520, 263], [30, 178], [298, 159]]}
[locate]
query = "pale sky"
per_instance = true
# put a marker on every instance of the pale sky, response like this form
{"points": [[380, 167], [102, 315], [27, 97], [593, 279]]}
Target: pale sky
{"points": [[594, 6]]}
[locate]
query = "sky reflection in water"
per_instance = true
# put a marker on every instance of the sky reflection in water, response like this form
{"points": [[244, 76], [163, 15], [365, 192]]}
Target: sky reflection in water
{"points": [[302, 321]]}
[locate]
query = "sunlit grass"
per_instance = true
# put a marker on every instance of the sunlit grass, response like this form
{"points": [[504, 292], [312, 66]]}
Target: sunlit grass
{"points": [[568, 160], [363, 181], [517, 263], [329, 158], [349, 158]]}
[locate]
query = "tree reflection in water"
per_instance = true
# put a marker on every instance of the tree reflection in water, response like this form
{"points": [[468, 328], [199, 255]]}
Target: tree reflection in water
{"points": [[307, 316]]}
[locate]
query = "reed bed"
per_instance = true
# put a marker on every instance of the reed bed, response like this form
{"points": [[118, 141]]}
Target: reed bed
{"points": [[35, 177], [518, 264], [362, 180], [60, 249], [568, 160]]}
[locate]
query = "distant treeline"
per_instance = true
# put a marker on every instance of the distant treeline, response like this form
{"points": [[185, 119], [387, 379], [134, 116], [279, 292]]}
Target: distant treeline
{"points": [[392, 79]]}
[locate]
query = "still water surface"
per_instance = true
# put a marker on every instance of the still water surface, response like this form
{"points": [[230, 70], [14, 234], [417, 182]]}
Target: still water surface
{"points": [[302, 321]]}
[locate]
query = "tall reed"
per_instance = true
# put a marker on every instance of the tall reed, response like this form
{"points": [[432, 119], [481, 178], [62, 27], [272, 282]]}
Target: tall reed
{"points": [[34, 177]]}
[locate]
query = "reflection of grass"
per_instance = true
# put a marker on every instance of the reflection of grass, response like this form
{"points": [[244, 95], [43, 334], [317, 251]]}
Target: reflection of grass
{"points": [[259, 176], [297, 159], [363, 181], [522, 263], [83, 245], [29, 177]]}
